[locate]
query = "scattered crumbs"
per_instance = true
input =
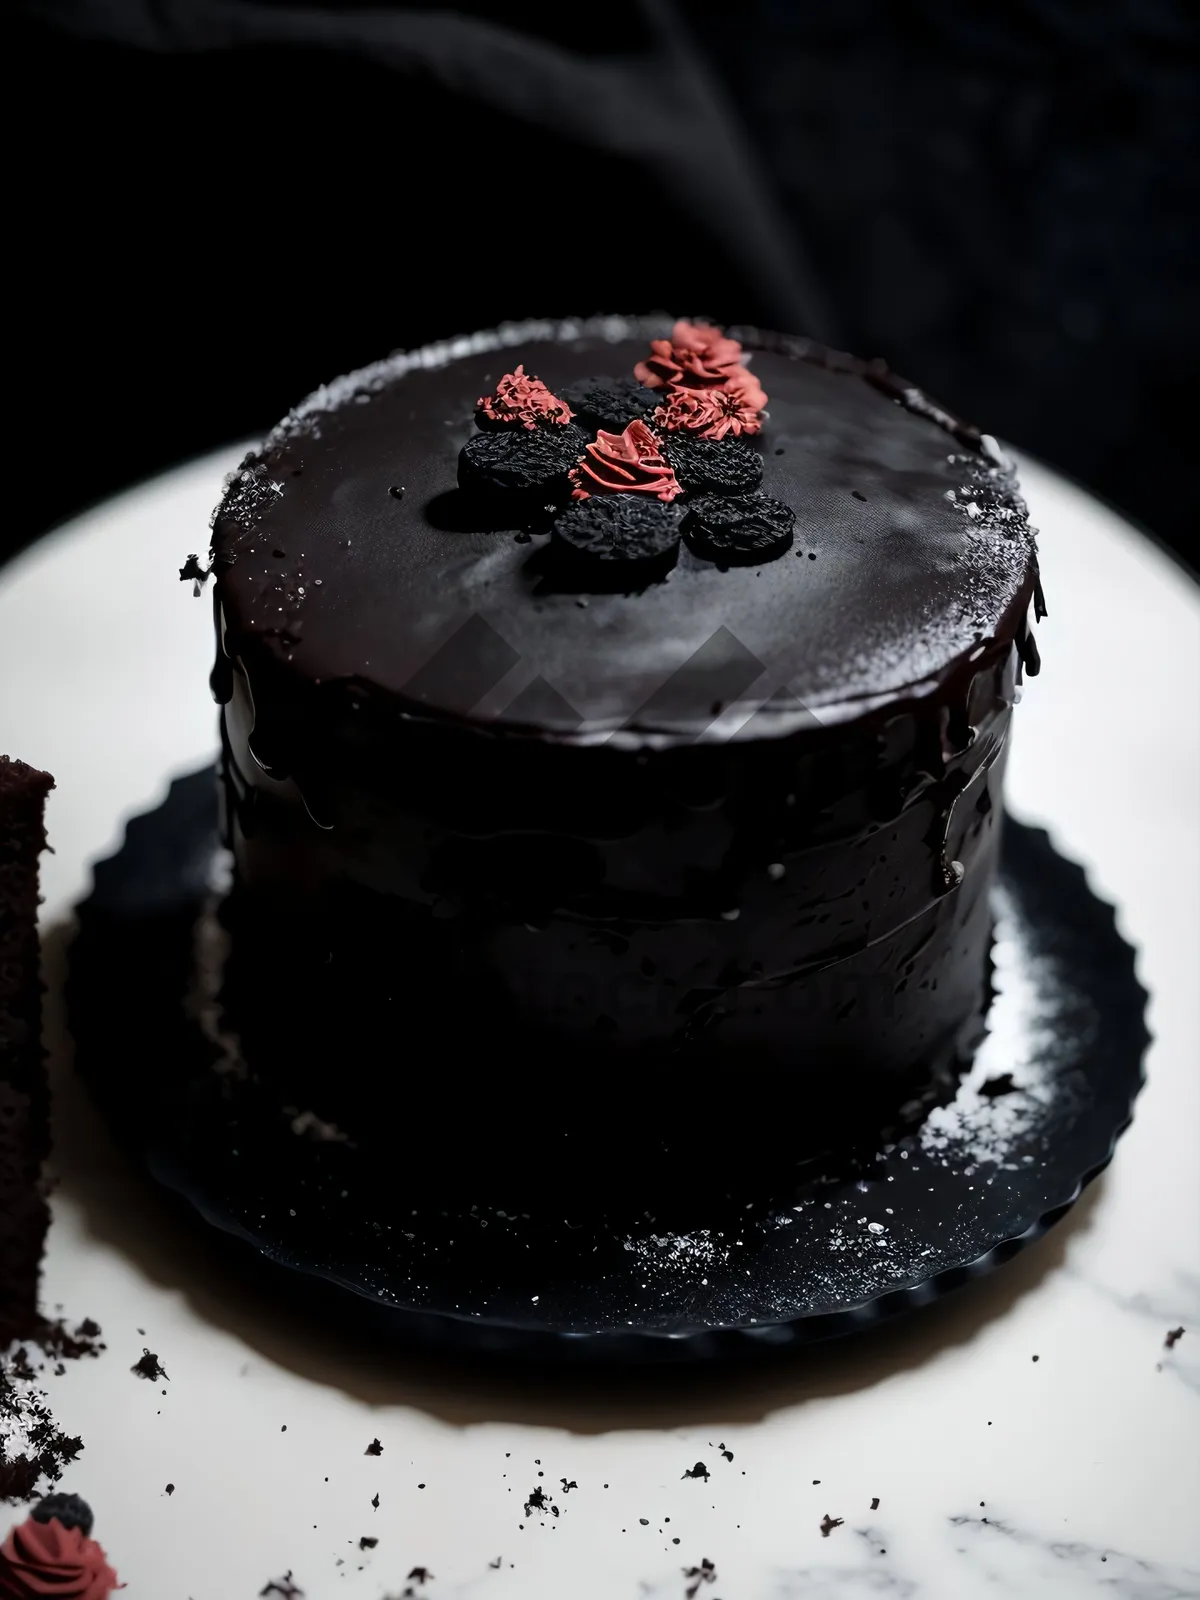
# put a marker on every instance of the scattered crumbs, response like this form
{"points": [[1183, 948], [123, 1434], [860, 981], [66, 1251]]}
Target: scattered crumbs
{"points": [[875, 1503], [191, 569], [1002, 1084], [1173, 1337], [367, 1543], [567, 1487], [283, 1586], [828, 1524], [698, 1471], [57, 1342], [695, 1576], [150, 1367], [539, 1501], [374, 1502], [728, 1454], [170, 1489], [374, 1448]]}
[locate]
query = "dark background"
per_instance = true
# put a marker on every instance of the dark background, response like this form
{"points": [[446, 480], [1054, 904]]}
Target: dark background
{"points": [[217, 204]]}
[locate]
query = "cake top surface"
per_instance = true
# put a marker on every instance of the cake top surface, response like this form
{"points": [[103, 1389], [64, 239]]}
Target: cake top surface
{"points": [[345, 549]]}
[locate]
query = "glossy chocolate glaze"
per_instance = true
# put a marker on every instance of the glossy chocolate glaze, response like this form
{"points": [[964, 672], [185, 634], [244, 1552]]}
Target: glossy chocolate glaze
{"points": [[744, 818]]}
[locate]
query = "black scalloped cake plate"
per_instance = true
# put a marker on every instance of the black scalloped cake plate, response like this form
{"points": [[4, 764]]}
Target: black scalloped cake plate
{"points": [[827, 1246]]}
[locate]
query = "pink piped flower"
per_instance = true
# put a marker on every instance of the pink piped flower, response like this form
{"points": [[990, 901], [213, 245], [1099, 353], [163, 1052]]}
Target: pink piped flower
{"points": [[696, 356]]}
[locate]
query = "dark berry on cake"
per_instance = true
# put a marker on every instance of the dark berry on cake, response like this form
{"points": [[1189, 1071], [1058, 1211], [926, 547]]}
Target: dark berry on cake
{"points": [[609, 403], [620, 532], [713, 466], [70, 1509], [535, 461], [741, 529]]}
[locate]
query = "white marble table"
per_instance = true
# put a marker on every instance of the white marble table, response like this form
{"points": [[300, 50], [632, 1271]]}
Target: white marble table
{"points": [[1031, 1436]]}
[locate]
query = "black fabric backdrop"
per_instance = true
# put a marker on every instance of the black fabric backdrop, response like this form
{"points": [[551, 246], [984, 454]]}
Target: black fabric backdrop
{"points": [[220, 203]]}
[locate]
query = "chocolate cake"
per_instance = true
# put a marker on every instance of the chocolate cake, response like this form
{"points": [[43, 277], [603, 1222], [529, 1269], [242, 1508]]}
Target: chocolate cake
{"points": [[652, 777], [24, 1098]]}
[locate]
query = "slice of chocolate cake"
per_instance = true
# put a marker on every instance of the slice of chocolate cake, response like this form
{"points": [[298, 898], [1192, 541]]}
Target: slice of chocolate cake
{"points": [[24, 1097]]}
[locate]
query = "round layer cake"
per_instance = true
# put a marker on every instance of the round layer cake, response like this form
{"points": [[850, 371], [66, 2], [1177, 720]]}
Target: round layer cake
{"points": [[618, 704]]}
